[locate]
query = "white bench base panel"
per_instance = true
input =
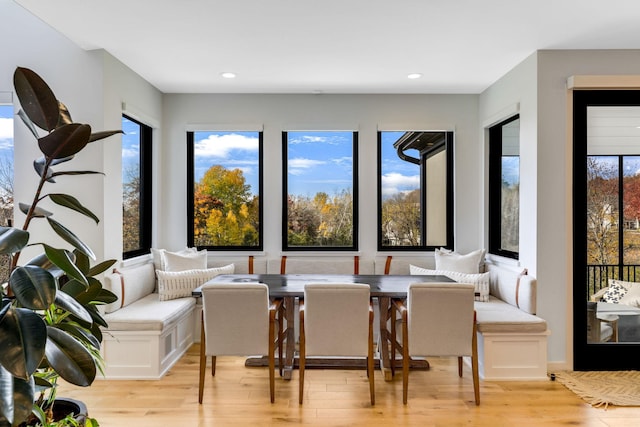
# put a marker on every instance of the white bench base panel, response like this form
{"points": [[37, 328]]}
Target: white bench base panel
{"points": [[146, 354], [512, 356]]}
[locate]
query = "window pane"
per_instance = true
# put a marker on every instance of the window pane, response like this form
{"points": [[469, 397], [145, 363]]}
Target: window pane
{"points": [[226, 189], [504, 188], [510, 197], [320, 189], [6, 179], [631, 209], [131, 186], [414, 194], [602, 210]]}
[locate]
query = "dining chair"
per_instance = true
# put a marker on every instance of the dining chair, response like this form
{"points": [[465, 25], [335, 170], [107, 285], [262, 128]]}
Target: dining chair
{"points": [[437, 319], [336, 320], [239, 320]]}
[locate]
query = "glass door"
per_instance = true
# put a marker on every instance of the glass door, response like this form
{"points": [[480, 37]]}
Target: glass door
{"points": [[606, 214]]}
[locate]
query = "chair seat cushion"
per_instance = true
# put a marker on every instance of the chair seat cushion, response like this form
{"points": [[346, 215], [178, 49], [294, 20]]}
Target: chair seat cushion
{"points": [[149, 314], [498, 316]]}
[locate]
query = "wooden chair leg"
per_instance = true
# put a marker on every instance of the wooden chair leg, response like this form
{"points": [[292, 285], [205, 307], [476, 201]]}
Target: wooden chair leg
{"points": [[392, 316], [474, 364], [271, 356], [213, 366], [302, 357], [370, 372], [280, 339], [460, 366], [405, 359], [203, 364]]}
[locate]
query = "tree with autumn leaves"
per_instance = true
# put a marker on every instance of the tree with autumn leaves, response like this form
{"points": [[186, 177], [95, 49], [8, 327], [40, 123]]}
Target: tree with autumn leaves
{"points": [[225, 211]]}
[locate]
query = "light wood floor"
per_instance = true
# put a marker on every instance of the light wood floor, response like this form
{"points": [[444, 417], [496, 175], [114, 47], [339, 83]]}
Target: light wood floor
{"points": [[239, 396]]}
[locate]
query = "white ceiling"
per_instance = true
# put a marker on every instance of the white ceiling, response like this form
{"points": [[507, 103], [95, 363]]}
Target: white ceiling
{"points": [[336, 46]]}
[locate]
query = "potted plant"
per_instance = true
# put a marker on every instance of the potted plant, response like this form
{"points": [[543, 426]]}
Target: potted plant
{"points": [[49, 320]]}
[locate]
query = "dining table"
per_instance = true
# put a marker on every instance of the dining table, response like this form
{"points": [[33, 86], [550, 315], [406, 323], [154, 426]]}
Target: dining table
{"points": [[290, 287]]}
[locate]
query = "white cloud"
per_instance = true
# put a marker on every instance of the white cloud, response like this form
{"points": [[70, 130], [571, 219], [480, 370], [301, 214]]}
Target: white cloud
{"points": [[343, 161], [6, 129], [304, 139], [128, 153], [299, 166], [221, 145], [395, 183]]}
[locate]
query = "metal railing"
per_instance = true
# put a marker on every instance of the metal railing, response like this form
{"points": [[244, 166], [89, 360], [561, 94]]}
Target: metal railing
{"points": [[598, 275]]}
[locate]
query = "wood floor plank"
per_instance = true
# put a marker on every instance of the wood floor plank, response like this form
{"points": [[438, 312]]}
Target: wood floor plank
{"points": [[239, 396]]}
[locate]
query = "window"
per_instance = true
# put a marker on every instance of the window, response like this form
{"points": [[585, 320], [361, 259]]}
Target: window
{"points": [[6, 179], [136, 188], [224, 190], [415, 190], [504, 188], [320, 184]]}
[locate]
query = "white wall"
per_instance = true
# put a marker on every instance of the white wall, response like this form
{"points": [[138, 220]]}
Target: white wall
{"points": [[554, 173], [366, 113], [75, 77], [93, 85]]}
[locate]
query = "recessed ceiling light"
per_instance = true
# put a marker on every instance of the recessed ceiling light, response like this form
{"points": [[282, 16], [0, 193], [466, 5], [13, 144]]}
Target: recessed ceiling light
{"points": [[228, 75], [414, 76]]}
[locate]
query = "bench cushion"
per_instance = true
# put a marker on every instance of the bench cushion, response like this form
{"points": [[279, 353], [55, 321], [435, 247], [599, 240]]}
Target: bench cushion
{"points": [[149, 314], [498, 316]]}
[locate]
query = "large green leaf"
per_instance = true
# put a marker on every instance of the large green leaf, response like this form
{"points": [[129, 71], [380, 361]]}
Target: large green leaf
{"points": [[37, 212], [80, 333], [70, 358], [103, 134], [37, 98], [16, 397], [27, 121], [43, 261], [61, 173], [72, 203], [70, 238], [39, 166], [63, 259], [34, 287], [23, 335], [101, 268], [65, 141], [68, 303], [65, 115], [12, 240]]}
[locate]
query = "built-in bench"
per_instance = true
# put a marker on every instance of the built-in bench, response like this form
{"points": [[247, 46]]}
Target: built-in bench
{"points": [[512, 340], [146, 336]]}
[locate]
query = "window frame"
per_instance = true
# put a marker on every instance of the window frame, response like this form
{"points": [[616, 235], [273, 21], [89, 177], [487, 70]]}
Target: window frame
{"points": [[285, 194], [495, 190], [146, 188], [190, 196], [449, 147]]}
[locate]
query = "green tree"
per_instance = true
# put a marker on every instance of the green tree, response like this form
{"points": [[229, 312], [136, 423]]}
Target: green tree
{"points": [[131, 210], [401, 219]]}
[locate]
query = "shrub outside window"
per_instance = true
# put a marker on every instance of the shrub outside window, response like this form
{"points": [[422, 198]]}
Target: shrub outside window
{"points": [[320, 185]]}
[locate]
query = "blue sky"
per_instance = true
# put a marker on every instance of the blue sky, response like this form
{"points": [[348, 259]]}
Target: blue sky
{"points": [[233, 150], [130, 146], [319, 161], [398, 176]]}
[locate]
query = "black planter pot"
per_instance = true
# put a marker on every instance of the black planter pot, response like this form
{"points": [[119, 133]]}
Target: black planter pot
{"points": [[64, 406]]}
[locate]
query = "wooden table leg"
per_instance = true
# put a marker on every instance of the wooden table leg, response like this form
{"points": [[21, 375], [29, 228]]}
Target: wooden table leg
{"points": [[290, 349], [384, 304]]}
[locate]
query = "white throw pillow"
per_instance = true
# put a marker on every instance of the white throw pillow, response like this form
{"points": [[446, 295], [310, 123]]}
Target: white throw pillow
{"points": [[632, 296], [453, 261], [615, 292], [179, 284], [158, 256], [181, 262], [479, 280]]}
